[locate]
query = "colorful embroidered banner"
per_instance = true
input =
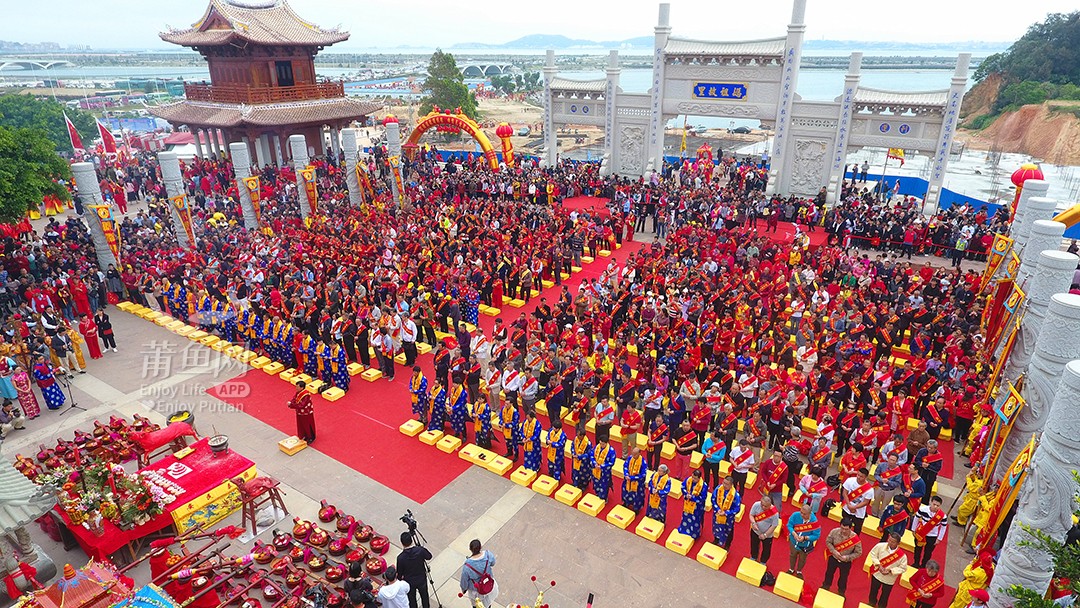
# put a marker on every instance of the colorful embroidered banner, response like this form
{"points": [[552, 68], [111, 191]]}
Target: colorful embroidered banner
{"points": [[108, 226], [311, 188], [998, 251], [1006, 495], [395, 170], [255, 189], [180, 205]]}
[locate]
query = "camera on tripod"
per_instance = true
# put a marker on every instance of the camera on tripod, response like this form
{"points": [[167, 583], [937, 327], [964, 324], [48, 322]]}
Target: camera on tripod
{"points": [[409, 520]]}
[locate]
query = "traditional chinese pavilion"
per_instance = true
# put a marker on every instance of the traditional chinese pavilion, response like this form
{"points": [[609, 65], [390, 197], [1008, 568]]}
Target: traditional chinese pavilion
{"points": [[262, 86]]}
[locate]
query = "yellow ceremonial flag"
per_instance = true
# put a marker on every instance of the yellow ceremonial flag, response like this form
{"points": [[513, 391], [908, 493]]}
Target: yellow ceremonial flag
{"points": [[998, 251], [682, 146], [898, 154], [1006, 495]]}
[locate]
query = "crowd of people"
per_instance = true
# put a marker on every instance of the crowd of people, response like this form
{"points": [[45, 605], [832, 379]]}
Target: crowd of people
{"points": [[787, 371]]}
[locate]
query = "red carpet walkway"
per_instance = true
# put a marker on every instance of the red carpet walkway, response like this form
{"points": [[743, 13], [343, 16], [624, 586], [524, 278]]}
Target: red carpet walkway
{"points": [[361, 429]]}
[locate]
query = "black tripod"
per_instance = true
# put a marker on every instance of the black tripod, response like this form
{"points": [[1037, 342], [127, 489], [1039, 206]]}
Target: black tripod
{"points": [[65, 382], [418, 540]]}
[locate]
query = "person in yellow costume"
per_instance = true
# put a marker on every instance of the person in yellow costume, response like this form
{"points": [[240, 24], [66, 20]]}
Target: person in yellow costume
{"points": [[76, 345], [977, 575], [973, 484]]}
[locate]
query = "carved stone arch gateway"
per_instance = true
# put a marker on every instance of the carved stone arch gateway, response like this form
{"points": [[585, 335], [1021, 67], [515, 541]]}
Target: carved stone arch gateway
{"points": [[457, 121]]}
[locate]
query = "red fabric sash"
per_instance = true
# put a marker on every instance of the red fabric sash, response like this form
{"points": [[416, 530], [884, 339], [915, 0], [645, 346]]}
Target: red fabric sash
{"points": [[807, 527], [858, 492], [686, 439], [929, 587], [658, 433], [716, 447], [766, 514], [847, 544], [894, 519], [924, 529], [743, 457]]}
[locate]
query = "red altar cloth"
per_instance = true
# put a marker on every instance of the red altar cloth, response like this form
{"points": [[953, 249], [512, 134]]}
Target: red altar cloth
{"points": [[197, 473]]}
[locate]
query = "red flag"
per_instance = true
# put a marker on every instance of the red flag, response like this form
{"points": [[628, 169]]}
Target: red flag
{"points": [[107, 138], [73, 135]]}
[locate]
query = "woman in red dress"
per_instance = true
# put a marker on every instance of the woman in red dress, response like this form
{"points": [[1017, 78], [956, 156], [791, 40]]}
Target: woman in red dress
{"points": [[27, 399], [89, 331]]}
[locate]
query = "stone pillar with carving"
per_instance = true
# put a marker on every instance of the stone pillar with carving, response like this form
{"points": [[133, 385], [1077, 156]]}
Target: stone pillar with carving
{"points": [[1046, 500], [298, 146], [351, 151], [949, 121], [611, 93], [1025, 214], [1053, 275], [838, 162], [656, 93], [1044, 235], [551, 138], [1037, 208], [173, 180], [393, 148], [781, 163], [242, 167], [86, 180]]}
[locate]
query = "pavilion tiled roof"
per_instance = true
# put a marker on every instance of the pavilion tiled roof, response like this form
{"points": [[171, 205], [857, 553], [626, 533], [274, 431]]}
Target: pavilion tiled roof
{"points": [[265, 115], [21, 500], [261, 22], [687, 46], [903, 98]]}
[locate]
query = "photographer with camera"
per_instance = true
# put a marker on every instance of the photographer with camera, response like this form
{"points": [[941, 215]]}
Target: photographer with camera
{"points": [[412, 568], [395, 593], [359, 588]]}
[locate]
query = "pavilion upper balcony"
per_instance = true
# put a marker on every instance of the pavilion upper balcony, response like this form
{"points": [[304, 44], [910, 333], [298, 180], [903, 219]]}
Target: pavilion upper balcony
{"points": [[266, 94]]}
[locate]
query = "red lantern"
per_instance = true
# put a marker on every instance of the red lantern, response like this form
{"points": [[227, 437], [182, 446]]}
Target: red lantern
{"points": [[1025, 172], [504, 130], [390, 118]]}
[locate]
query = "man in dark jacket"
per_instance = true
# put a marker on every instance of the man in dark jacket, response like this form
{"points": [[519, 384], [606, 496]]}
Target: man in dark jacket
{"points": [[412, 568]]}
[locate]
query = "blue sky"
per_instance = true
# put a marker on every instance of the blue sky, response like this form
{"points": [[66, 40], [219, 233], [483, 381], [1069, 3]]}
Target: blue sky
{"points": [[427, 23]]}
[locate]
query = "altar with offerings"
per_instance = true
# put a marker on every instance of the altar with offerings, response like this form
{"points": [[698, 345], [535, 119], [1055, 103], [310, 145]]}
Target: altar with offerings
{"points": [[108, 510]]}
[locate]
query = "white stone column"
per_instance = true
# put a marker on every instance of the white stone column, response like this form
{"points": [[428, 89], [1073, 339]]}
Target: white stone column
{"points": [[242, 167], [351, 151], [198, 144], [393, 147], [551, 138], [262, 158], [611, 93], [279, 150], [1046, 500], [948, 129], [215, 142], [1036, 208], [335, 142], [656, 104], [1045, 234], [847, 108], [298, 146], [174, 186], [779, 167], [1053, 275], [1021, 222], [86, 181]]}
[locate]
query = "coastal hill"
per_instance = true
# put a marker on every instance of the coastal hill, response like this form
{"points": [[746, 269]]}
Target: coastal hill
{"points": [[1027, 99]]}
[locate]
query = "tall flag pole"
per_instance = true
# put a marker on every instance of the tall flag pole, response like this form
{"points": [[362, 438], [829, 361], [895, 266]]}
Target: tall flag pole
{"points": [[107, 139]]}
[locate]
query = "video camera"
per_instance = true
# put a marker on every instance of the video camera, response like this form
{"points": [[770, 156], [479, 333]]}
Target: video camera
{"points": [[409, 520]]}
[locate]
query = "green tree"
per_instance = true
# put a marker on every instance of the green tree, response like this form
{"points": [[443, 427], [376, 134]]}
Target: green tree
{"points": [[1022, 93], [28, 112], [1066, 559], [29, 168], [1047, 52], [445, 86]]}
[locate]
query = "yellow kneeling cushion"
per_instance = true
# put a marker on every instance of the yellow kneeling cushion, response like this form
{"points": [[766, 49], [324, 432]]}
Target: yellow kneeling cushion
{"points": [[679, 543], [354, 369], [333, 394], [545, 485], [197, 335], [288, 374], [712, 556], [273, 368], [430, 437], [620, 517], [500, 465], [371, 374], [516, 303], [291, 445], [523, 476], [412, 428], [667, 450], [750, 571], [591, 504], [449, 444], [649, 529], [604, 253], [400, 358], [828, 599], [695, 460], [788, 586], [568, 494], [491, 311], [905, 578], [260, 362]]}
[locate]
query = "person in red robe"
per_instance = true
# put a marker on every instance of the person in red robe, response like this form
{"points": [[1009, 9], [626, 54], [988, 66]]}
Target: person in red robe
{"points": [[305, 413], [89, 331], [80, 296]]}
